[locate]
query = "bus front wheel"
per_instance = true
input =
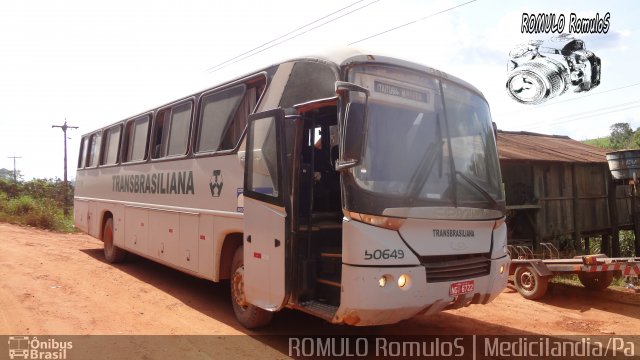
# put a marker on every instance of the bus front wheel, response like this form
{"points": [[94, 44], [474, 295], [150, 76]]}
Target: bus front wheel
{"points": [[112, 253], [250, 316]]}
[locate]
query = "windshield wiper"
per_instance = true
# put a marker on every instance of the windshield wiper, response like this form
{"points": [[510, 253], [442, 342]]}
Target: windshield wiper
{"points": [[416, 183], [424, 168], [480, 189]]}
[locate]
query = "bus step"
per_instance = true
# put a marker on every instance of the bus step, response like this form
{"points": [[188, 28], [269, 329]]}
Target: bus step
{"points": [[328, 282], [331, 255], [324, 311]]}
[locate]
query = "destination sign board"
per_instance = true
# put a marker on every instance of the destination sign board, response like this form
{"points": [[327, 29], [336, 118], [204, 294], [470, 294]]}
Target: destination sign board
{"points": [[399, 91]]}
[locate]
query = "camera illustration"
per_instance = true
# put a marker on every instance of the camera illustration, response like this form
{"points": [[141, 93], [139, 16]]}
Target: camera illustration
{"points": [[544, 69]]}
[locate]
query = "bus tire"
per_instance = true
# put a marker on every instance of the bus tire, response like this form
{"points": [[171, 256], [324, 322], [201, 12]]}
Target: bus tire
{"points": [[597, 280], [250, 316], [112, 253], [529, 284]]}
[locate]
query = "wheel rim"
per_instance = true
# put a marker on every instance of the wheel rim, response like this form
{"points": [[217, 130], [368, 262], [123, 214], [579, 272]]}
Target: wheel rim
{"points": [[237, 288], [528, 281]]}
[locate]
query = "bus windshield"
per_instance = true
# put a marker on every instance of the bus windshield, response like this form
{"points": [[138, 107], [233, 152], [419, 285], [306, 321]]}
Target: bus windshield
{"points": [[428, 142]]}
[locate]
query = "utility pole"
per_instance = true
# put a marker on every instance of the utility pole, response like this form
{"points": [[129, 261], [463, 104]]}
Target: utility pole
{"points": [[14, 157], [66, 184]]}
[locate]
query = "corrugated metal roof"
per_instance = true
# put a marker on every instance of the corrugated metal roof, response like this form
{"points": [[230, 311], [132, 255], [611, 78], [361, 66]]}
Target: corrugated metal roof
{"points": [[522, 145]]}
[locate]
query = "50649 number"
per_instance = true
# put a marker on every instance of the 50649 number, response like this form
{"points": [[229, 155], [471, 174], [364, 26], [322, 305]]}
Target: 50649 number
{"points": [[385, 254]]}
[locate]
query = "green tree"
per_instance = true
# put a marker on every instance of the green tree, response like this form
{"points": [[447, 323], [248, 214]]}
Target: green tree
{"points": [[7, 174], [621, 135], [635, 141]]}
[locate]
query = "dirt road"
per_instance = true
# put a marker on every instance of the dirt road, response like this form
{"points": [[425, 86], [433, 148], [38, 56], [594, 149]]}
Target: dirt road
{"points": [[54, 283]]}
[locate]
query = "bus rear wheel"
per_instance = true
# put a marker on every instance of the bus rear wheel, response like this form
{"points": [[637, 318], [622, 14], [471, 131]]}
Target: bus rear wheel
{"points": [[529, 284], [250, 316], [596, 281], [112, 253]]}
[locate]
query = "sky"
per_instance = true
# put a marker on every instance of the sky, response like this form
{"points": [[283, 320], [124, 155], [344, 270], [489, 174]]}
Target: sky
{"points": [[95, 63]]}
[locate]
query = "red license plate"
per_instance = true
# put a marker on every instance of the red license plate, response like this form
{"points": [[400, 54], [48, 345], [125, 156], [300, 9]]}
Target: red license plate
{"points": [[461, 287]]}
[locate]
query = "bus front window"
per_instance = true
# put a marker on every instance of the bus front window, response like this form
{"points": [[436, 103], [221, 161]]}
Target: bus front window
{"points": [[427, 143]]}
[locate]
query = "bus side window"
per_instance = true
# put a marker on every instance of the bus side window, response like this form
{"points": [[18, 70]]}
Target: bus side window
{"points": [[223, 116], [134, 143], [171, 131], [216, 110], [110, 146], [94, 149], [235, 128], [82, 159], [178, 132], [157, 148]]}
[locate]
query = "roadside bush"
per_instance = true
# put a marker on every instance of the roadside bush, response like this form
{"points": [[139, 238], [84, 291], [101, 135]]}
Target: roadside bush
{"points": [[38, 203], [4, 199], [43, 214], [21, 206]]}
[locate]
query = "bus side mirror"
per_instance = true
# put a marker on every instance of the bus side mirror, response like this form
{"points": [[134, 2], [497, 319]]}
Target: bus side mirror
{"points": [[343, 87], [353, 126]]}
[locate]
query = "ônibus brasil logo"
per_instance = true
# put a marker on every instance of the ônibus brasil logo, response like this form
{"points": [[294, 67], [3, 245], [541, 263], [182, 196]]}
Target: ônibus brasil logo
{"points": [[25, 347]]}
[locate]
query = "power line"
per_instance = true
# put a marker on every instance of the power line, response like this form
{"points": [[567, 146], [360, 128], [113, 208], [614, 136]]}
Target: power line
{"points": [[411, 22], [613, 109], [590, 112], [587, 113], [240, 57], [278, 38], [574, 99], [588, 116]]}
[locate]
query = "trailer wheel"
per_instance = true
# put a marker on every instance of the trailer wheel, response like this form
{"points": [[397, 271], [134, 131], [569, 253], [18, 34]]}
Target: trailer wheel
{"points": [[596, 280], [250, 316], [112, 253], [529, 284]]}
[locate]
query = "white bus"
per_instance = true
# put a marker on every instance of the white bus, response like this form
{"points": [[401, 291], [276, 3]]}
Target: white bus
{"points": [[358, 188]]}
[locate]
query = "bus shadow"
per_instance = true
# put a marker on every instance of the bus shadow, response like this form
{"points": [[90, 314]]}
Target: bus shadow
{"points": [[291, 330], [207, 297], [610, 300], [213, 300]]}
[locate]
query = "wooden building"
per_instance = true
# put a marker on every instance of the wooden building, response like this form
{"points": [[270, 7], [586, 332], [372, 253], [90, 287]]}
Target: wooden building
{"points": [[561, 190]]}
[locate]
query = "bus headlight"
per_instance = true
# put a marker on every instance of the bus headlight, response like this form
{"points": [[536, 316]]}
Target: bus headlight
{"points": [[404, 282], [501, 269], [382, 281]]}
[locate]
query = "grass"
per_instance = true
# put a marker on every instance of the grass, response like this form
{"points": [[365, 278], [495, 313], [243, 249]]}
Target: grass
{"points": [[40, 213], [573, 280]]}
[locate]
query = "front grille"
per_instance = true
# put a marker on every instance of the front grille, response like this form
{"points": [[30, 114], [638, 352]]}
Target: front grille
{"points": [[456, 267]]}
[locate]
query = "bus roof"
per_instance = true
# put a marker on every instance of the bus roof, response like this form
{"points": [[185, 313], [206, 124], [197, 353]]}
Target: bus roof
{"points": [[344, 56], [337, 56]]}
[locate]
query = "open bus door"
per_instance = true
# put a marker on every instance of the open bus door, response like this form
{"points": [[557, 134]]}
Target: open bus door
{"points": [[266, 205]]}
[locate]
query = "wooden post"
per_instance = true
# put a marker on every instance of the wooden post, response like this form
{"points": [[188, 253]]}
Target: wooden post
{"points": [[587, 245], [636, 222], [576, 204], [605, 245], [613, 247]]}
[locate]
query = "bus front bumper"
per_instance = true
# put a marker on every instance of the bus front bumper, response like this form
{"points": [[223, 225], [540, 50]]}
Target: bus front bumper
{"points": [[368, 300]]}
